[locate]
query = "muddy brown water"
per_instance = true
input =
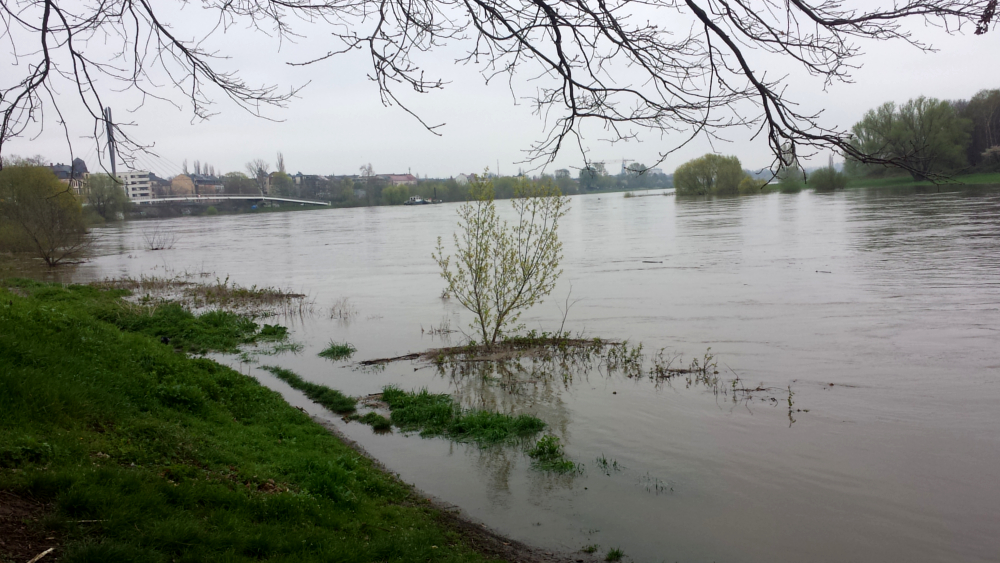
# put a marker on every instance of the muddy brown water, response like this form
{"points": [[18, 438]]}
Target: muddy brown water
{"points": [[891, 296]]}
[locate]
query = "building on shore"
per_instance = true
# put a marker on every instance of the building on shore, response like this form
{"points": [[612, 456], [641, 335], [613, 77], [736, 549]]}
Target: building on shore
{"points": [[73, 175], [137, 185]]}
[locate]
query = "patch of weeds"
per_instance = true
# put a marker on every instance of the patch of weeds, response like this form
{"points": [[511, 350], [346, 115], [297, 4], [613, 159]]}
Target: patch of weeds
{"points": [[614, 554], [222, 331], [548, 455], [607, 466], [342, 309], [375, 420], [655, 484], [592, 548], [440, 415], [329, 398], [338, 351], [273, 332]]}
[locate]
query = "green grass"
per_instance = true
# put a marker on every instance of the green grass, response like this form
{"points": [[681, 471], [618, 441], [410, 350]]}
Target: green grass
{"points": [[168, 322], [614, 554], [150, 455], [439, 415], [548, 455], [338, 351], [592, 548], [329, 398], [375, 420], [992, 178]]}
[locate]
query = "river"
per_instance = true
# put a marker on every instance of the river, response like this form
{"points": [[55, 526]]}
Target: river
{"points": [[878, 309]]}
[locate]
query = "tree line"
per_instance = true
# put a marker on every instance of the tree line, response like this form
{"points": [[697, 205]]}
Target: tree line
{"points": [[931, 138]]}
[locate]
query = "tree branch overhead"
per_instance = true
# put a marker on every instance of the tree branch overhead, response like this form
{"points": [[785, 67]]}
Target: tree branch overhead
{"points": [[671, 67]]}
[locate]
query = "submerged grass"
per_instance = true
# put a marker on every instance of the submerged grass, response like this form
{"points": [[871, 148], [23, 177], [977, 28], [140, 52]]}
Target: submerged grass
{"points": [[329, 398], [440, 415], [168, 322], [338, 351], [375, 420], [548, 455], [148, 455]]}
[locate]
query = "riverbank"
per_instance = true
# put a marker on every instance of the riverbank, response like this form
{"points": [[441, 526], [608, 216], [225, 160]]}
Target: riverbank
{"points": [[116, 445], [907, 181]]}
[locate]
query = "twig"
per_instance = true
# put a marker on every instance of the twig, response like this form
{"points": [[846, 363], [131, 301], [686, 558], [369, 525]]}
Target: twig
{"points": [[42, 554]]}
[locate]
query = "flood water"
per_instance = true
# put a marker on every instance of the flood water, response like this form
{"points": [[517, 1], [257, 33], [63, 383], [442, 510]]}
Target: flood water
{"points": [[893, 297]]}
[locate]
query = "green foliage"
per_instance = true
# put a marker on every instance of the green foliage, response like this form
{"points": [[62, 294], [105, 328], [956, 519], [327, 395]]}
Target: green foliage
{"points": [[711, 174], [924, 134], [983, 111], [439, 415], [751, 186], [548, 455], [790, 180], [826, 179], [338, 351], [329, 398], [614, 554], [221, 331], [106, 196], [500, 270], [395, 195], [211, 210], [376, 421], [282, 185], [239, 183], [149, 455], [39, 214]]}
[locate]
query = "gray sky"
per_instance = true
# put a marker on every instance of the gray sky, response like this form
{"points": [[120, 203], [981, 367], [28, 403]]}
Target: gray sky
{"points": [[338, 122]]}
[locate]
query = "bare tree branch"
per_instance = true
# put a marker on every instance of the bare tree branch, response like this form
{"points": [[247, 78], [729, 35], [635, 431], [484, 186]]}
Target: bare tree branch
{"points": [[601, 62]]}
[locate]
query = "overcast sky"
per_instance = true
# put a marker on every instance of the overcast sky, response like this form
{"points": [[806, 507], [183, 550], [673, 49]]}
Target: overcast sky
{"points": [[338, 122]]}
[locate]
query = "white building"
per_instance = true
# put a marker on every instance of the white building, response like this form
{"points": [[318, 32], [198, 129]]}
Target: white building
{"points": [[137, 185]]}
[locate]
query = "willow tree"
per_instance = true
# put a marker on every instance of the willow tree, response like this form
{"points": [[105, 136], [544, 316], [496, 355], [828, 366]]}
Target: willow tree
{"points": [[40, 215], [712, 174], [703, 67], [501, 269]]}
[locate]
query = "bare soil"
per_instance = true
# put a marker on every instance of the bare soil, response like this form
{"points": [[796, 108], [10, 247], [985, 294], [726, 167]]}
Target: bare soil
{"points": [[22, 537]]}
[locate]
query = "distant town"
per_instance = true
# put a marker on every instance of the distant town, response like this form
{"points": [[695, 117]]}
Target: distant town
{"points": [[201, 182]]}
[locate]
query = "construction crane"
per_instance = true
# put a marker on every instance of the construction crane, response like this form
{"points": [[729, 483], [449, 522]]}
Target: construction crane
{"points": [[624, 162]]}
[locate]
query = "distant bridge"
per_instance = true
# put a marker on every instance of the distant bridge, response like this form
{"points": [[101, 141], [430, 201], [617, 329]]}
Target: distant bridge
{"points": [[210, 198]]}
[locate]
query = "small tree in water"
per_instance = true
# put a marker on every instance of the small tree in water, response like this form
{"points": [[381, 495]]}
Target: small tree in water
{"points": [[501, 269]]}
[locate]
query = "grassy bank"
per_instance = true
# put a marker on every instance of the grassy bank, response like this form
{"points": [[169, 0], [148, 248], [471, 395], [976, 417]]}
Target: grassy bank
{"points": [[141, 453], [905, 181]]}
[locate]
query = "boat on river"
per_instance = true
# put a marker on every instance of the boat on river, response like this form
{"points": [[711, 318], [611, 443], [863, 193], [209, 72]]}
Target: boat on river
{"points": [[417, 200]]}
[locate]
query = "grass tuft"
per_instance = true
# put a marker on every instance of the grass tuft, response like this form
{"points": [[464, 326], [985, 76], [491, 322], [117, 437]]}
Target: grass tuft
{"points": [[376, 421], [548, 455], [338, 351], [329, 398], [439, 415], [614, 554]]}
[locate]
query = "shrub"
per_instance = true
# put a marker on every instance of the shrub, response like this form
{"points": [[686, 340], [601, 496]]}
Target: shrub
{"points": [[711, 174], [211, 210], [41, 214], [751, 186], [500, 270], [826, 179]]}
